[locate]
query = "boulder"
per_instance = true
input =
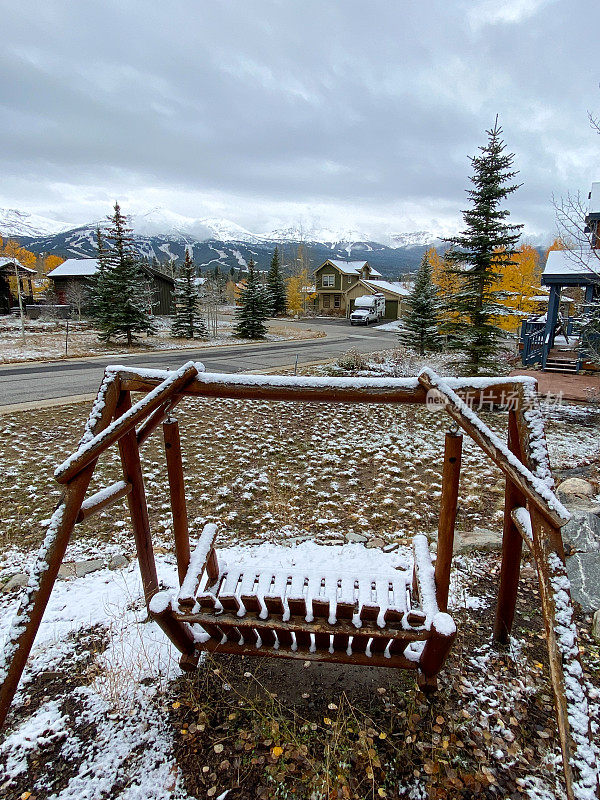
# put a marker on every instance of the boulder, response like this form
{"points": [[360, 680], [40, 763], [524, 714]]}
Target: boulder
{"points": [[576, 488], [77, 569], [85, 567], [118, 561], [582, 532], [67, 570], [375, 542], [477, 539], [584, 573], [355, 537], [16, 582], [596, 626]]}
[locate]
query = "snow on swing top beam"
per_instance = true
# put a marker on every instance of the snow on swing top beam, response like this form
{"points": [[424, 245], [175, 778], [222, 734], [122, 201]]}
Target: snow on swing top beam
{"points": [[326, 389]]}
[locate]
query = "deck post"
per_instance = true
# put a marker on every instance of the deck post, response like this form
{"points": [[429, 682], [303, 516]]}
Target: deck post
{"points": [[551, 319], [177, 492], [445, 545], [512, 544]]}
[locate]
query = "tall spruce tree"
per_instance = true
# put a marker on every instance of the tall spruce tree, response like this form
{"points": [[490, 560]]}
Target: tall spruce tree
{"points": [[421, 322], [254, 308], [478, 256], [118, 295], [187, 322], [276, 285]]}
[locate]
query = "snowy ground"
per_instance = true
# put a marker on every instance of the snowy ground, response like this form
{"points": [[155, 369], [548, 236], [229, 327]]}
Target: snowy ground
{"points": [[104, 711], [46, 339]]}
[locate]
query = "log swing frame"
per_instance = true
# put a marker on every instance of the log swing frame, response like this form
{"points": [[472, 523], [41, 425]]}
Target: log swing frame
{"points": [[532, 514]]}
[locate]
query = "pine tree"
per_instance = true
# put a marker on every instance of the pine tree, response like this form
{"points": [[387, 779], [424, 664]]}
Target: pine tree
{"points": [[254, 308], [276, 285], [421, 322], [118, 296], [478, 256], [187, 323]]}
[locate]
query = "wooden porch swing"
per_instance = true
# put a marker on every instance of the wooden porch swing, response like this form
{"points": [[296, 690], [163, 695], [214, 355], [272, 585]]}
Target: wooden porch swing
{"points": [[394, 618]]}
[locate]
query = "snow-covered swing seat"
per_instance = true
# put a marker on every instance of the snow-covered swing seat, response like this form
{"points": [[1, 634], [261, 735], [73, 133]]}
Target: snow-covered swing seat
{"points": [[394, 618]]}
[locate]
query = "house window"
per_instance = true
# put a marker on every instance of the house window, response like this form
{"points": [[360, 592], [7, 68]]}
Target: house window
{"points": [[337, 300], [326, 301], [328, 281]]}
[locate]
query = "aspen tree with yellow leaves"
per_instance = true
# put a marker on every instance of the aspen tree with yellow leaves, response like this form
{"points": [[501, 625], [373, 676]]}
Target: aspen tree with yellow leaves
{"points": [[518, 281], [297, 294], [447, 284]]}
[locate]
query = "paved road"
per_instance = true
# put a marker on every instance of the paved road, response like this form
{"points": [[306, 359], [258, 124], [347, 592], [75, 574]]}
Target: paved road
{"points": [[26, 383]]}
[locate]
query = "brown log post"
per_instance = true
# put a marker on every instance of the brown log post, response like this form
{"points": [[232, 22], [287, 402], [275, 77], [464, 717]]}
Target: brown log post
{"points": [[34, 600], [177, 492], [512, 545], [445, 545], [136, 499], [178, 633], [437, 647]]}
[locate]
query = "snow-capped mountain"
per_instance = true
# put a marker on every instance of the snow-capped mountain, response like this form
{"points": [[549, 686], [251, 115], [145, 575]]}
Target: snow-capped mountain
{"points": [[217, 242], [162, 222], [20, 223], [412, 239]]}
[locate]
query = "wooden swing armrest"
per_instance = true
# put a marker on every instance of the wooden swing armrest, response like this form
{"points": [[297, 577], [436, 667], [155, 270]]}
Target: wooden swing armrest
{"points": [[203, 558]]}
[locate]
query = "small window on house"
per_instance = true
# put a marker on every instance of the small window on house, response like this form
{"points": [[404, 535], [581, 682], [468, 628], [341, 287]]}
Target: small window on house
{"points": [[328, 280], [337, 300], [326, 301]]}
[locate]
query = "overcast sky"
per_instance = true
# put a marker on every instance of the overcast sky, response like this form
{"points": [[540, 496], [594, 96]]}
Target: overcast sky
{"points": [[347, 113]]}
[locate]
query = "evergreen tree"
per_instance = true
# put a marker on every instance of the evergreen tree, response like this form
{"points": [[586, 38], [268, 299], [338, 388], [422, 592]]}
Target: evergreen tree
{"points": [[254, 308], [421, 322], [478, 256], [187, 323], [276, 285], [117, 293]]}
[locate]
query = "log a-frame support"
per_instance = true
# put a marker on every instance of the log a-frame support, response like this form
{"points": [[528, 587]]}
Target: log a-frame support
{"points": [[532, 513]]}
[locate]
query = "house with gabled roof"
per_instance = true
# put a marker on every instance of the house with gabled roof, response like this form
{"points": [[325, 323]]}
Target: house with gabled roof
{"points": [[338, 284], [78, 271]]}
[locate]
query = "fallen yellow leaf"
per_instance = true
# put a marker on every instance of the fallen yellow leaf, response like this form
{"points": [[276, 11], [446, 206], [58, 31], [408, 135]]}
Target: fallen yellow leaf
{"points": [[276, 752]]}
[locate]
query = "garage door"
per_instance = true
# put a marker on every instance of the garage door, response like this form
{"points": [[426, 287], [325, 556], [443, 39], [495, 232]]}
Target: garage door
{"points": [[391, 309]]}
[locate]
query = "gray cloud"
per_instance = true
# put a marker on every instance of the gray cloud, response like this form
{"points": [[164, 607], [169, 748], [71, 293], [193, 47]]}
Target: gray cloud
{"points": [[268, 111]]}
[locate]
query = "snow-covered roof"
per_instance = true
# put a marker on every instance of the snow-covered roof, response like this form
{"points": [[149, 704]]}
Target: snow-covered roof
{"points": [[6, 261], [75, 268], [572, 262], [352, 267], [395, 287], [595, 199]]}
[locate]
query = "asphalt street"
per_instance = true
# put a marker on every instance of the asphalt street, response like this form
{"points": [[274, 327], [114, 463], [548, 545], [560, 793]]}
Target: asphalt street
{"points": [[31, 382]]}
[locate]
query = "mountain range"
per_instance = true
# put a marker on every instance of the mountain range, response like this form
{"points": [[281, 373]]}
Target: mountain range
{"points": [[212, 241]]}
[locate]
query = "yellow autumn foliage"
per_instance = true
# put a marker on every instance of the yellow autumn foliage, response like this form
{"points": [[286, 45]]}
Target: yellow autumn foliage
{"points": [[297, 296], [446, 283], [521, 281], [44, 265]]}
